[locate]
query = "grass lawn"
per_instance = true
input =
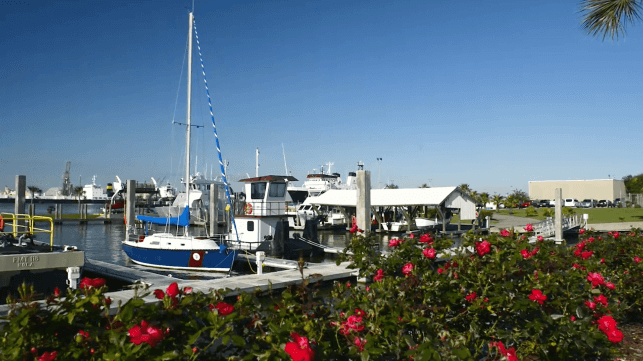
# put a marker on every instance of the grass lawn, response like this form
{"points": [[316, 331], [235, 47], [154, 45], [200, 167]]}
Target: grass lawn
{"points": [[596, 215]]}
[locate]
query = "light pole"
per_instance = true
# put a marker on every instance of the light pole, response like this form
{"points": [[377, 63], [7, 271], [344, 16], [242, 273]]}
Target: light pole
{"points": [[379, 176]]}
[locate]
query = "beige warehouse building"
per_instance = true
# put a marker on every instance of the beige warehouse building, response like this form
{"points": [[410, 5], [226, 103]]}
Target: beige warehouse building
{"points": [[598, 189]]}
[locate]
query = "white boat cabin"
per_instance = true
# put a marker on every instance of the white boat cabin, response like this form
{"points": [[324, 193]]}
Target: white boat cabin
{"points": [[265, 205]]}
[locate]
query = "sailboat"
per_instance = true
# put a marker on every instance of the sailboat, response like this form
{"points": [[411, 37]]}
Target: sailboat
{"points": [[174, 247]]}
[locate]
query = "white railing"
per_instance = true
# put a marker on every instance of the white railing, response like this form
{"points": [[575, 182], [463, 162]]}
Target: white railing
{"points": [[548, 228]]}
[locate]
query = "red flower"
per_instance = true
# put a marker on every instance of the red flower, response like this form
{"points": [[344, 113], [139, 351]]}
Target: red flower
{"points": [[610, 285], [159, 294], [581, 231], [505, 233], [223, 308], [57, 292], [586, 254], [353, 228], [529, 227], [440, 271], [187, 290], [540, 238], [510, 354], [606, 323], [379, 276], [602, 300], [471, 297], [300, 349], [411, 236], [359, 343], [537, 296], [48, 356], [483, 248], [615, 235], [394, 242], [637, 259], [425, 238], [573, 318], [87, 283], [145, 333], [429, 253], [352, 323], [173, 290], [407, 268], [591, 305], [614, 335], [596, 279]]}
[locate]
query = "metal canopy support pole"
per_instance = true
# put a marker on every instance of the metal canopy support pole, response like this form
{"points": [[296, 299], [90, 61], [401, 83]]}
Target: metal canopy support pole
{"points": [[558, 196], [130, 212], [363, 200], [214, 209]]}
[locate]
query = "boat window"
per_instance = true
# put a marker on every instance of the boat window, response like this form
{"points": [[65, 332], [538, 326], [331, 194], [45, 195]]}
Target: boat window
{"points": [[251, 226], [257, 190], [277, 190]]}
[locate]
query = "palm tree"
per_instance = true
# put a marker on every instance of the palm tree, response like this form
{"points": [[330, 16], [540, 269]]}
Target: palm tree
{"points": [[608, 17], [465, 188], [79, 191], [33, 190], [497, 198]]}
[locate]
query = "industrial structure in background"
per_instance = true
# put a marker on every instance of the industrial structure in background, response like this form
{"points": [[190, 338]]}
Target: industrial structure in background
{"points": [[68, 188], [609, 189]]}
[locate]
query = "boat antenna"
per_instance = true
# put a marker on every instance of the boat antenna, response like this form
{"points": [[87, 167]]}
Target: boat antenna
{"points": [[284, 152]]}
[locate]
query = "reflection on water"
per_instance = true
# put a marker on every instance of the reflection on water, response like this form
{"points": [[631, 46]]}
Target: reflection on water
{"points": [[41, 209]]}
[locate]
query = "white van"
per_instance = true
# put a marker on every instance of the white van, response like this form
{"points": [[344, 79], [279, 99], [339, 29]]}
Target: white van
{"points": [[571, 202]]}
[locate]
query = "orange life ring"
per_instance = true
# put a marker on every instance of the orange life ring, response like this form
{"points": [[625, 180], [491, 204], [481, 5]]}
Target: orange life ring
{"points": [[247, 209], [1, 224]]}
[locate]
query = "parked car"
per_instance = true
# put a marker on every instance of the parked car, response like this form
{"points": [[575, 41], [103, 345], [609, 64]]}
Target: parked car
{"points": [[604, 203], [571, 202], [524, 204], [552, 203], [620, 202], [543, 203], [535, 203], [589, 203]]}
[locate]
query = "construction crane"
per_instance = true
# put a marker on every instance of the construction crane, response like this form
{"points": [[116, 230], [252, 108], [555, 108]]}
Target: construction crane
{"points": [[67, 187]]}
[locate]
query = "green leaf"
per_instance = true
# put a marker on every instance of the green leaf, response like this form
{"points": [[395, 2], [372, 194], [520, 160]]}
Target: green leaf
{"points": [[195, 336], [364, 355], [238, 341], [225, 339]]}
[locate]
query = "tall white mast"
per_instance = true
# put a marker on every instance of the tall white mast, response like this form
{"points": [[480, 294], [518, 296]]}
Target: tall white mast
{"points": [[189, 111], [257, 163]]}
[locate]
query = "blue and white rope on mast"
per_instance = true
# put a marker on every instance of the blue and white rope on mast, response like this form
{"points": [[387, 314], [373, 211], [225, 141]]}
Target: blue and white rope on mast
{"points": [[214, 128]]}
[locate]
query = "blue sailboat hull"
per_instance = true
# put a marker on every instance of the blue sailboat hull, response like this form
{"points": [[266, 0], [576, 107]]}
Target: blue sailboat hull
{"points": [[202, 260]]}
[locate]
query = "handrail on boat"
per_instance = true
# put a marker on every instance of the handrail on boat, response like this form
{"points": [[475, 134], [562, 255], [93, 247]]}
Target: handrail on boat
{"points": [[18, 221]]}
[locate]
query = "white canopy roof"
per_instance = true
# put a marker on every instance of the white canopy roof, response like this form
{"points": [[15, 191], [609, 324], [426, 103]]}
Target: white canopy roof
{"points": [[449, 197]]}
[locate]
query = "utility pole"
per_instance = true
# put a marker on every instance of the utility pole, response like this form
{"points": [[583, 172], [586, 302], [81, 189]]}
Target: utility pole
{"points": [[379, 173]]}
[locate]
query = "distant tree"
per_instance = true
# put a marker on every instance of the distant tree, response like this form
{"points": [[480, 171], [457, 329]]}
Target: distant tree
{"points": [[497, 199], [519, 196], [424, 185], [608, 17], [465, 188], [634, 184], [484, 199], [391, 186], [33, 190], [79, 191]]}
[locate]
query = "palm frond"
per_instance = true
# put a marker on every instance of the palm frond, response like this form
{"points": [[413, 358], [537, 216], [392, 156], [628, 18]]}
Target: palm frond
{"points": [[608, 17]]}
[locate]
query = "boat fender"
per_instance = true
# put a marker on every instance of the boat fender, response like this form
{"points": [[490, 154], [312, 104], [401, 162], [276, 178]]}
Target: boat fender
{"points": [[1, 224], [247, 209]]}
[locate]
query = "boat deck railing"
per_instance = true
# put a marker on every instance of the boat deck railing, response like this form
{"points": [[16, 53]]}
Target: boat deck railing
{"points": [[263, 208], [25, 224]]}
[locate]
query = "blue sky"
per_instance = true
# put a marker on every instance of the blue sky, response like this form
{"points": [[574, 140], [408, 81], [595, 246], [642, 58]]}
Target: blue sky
{"points": [[493, 94]]}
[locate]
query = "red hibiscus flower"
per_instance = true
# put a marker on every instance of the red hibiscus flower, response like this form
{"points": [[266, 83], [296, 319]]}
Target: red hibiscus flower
{"points": [[87, 283], [145, 333], [429, 253], [538, 296], [596, 279], [471, 297], [408, 268], [48, 356], [529, 227], [300, 349], [483, 248], [379, 276]]}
